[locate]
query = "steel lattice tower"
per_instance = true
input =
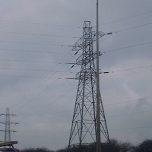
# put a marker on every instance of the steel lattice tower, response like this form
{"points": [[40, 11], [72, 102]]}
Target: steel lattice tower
{"points": [[7, 135], [7, 126], [83, 128]]}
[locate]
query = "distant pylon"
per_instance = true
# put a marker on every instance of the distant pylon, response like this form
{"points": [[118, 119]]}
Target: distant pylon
{"points": [[83, 128], [7, 135]]}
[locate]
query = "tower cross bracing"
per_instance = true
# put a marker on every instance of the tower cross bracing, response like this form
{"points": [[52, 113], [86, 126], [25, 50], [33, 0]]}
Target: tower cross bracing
{"points": [[84, 123], [7, 131]]}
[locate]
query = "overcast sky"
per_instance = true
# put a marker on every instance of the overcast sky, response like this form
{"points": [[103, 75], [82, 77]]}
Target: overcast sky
{"points": [[35, 41]]}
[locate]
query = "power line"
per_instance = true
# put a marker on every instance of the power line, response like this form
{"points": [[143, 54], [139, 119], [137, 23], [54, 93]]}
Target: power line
{"points": [[118, 49], [44, 132], [133, 113], [134, 68], [29, 76], [125, 18], [34, 34], [133, 27], [63, 36], [42, 114], [46, 105], [32, 70], [48, 24], [42, 82], [119, 115], [46, 87], [24, 76], [33, 43], [47, 62], [142, 127], [57, 132], [31, 51], [127, 101], [40, 23], [115, 104]]}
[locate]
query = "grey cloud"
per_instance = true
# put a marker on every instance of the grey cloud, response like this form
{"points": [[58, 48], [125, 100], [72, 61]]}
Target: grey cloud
{"points": [[31, 85]]}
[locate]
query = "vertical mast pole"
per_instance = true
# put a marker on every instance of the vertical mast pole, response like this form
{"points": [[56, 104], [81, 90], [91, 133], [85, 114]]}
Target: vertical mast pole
{"points": [[98, 136]]}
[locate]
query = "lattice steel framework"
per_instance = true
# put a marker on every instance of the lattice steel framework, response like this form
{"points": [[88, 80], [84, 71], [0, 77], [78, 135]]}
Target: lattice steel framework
{"points": [[7, 131], [7, 136], [83, 128]]}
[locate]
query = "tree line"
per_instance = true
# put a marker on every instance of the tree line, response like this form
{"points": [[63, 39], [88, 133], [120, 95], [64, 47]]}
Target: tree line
{"points": [[112, 146]]}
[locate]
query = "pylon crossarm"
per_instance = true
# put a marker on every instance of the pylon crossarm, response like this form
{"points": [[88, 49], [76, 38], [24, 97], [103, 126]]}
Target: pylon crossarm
{"points": [[80, 60], [79, 45]]}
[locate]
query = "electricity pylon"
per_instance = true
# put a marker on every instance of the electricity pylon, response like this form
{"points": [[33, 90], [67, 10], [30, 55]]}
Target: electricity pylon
{"points": [[7, 135], [84, 122]]}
